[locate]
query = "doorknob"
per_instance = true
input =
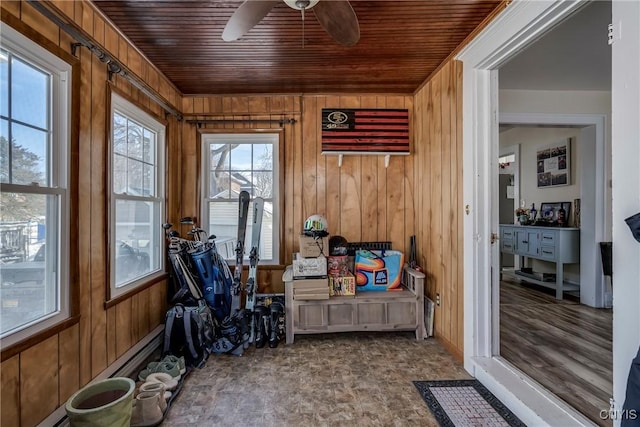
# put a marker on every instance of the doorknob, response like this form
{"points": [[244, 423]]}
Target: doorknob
{"points": [[494, 238]]}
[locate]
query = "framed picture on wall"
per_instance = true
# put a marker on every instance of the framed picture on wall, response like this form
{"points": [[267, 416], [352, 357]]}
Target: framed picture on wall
{"points": [[553, 165], [549, 211]]}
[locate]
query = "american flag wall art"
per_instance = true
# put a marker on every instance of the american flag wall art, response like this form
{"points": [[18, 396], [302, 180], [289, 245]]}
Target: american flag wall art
{"points": [[365, 131]]}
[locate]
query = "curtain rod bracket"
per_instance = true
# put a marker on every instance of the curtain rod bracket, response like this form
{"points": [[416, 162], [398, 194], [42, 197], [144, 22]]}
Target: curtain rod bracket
{"points": [[74, 47]]}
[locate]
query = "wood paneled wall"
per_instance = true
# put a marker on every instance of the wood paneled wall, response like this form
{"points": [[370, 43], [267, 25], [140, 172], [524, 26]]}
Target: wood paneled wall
{"points": [[438, 157], [362, 200], [43, 376]]}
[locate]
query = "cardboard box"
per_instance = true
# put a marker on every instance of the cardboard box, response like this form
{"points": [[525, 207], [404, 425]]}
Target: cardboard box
{"points": [[311, 247], [310, 284], [309, 267], [304, 297], [342, 284], [338, 265], [310, 289]]}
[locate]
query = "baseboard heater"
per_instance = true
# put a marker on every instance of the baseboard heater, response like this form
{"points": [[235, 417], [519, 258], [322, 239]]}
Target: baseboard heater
{"points": [[124, 366]]}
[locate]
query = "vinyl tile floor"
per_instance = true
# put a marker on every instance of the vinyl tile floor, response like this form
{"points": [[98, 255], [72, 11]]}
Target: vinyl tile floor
{"points": [[346, 379]]}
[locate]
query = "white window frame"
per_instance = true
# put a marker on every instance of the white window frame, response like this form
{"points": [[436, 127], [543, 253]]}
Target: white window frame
{"points": [[134, 113], [58, 169], [248, 137]]}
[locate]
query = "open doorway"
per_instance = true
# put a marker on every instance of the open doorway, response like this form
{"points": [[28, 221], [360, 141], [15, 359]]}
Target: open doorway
{"points": [[519, 25], [553, 324]]}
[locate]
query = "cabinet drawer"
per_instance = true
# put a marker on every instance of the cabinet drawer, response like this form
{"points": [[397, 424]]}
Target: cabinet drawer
{"points": [[507, 246], [507, 234], [548, 238], [548, 252]]}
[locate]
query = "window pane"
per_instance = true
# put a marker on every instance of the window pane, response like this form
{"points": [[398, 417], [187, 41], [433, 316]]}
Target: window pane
{"points": [[29, 94], [119, 134], [134, 140], [4, 82], [29, 287], [219, 185], [4, 151], [241, 181], [262, 156], [148, 146], [223, 223], [263, 184], [241, 157], [137, 248], [219, 156], [28, 156], [134, 178], [119, 174], [148, 176]]}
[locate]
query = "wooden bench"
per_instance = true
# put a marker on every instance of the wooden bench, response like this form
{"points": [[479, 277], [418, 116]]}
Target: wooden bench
{"points": [[366, 311]]}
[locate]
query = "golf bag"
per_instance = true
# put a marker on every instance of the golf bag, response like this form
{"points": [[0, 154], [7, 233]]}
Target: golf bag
{"points": [[201, 272], [204, 283]]}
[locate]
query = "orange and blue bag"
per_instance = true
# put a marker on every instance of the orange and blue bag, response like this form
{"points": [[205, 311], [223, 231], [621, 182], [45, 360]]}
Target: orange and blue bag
{"points": [[378, 270]]}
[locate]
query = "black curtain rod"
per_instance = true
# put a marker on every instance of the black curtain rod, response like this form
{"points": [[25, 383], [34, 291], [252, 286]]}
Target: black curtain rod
{"points": [[211, 121], [113, 66]]}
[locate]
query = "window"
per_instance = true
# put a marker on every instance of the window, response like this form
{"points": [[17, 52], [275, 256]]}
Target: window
{"points": [[236, 162], [35, 106], [138, 199]]}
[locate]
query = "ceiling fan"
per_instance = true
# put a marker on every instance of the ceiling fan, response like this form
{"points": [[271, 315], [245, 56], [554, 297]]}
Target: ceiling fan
{"points": [[336, 17]]}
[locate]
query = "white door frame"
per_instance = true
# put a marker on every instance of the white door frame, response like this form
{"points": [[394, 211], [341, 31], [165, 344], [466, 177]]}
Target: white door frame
{"points": [[625, 134], [518, 25]]}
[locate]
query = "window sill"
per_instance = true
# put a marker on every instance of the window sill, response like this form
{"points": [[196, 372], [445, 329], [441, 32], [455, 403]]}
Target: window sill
{"points": [[123, 297], [37, 338]]}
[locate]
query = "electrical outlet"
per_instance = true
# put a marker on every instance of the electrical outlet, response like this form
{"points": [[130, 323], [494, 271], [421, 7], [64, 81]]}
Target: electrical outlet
{"points": [[437, 299]]}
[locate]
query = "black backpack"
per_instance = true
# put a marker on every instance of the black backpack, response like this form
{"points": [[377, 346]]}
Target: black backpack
{"points": [[189, 332]]}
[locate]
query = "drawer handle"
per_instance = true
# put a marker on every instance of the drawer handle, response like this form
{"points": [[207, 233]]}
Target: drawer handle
{"points": [[525, 241], [547, 252], [547, 237]]}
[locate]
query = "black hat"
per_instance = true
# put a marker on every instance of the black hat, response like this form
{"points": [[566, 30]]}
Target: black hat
{"points": [[337, 246], [634, 224]]}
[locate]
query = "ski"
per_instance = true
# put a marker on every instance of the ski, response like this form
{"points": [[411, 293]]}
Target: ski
{"points": [[243, 210], [254, 255], [254, 258]]}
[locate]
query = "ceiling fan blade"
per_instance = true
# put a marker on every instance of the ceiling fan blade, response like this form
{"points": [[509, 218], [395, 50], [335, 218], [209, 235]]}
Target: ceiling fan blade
{"points": [[339, 20], [246, 17]]}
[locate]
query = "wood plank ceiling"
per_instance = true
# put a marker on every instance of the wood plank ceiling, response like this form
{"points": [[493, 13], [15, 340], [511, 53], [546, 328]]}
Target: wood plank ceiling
{"points": [[401, 44]]}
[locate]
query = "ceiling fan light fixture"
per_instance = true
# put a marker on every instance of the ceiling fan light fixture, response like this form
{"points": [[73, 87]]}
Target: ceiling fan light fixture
{"points": [[301, 4]]}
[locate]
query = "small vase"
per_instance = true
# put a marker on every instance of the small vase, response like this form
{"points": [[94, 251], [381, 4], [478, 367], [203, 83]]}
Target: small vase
{"points": [[523, 219]]}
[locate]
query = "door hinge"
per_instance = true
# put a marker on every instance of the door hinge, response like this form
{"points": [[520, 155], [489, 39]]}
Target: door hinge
{"points": [[610, 36]]}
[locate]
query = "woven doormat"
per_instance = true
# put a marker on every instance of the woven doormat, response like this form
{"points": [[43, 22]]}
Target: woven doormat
{"points": [[462, 403]]}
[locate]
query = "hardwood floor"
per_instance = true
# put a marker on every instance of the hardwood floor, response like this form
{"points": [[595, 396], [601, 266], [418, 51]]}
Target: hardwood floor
{"points": [[563, 345]]}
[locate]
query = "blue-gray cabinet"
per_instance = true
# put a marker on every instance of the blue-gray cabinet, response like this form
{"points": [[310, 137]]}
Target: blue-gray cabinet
{"points": [[559, 245]]}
